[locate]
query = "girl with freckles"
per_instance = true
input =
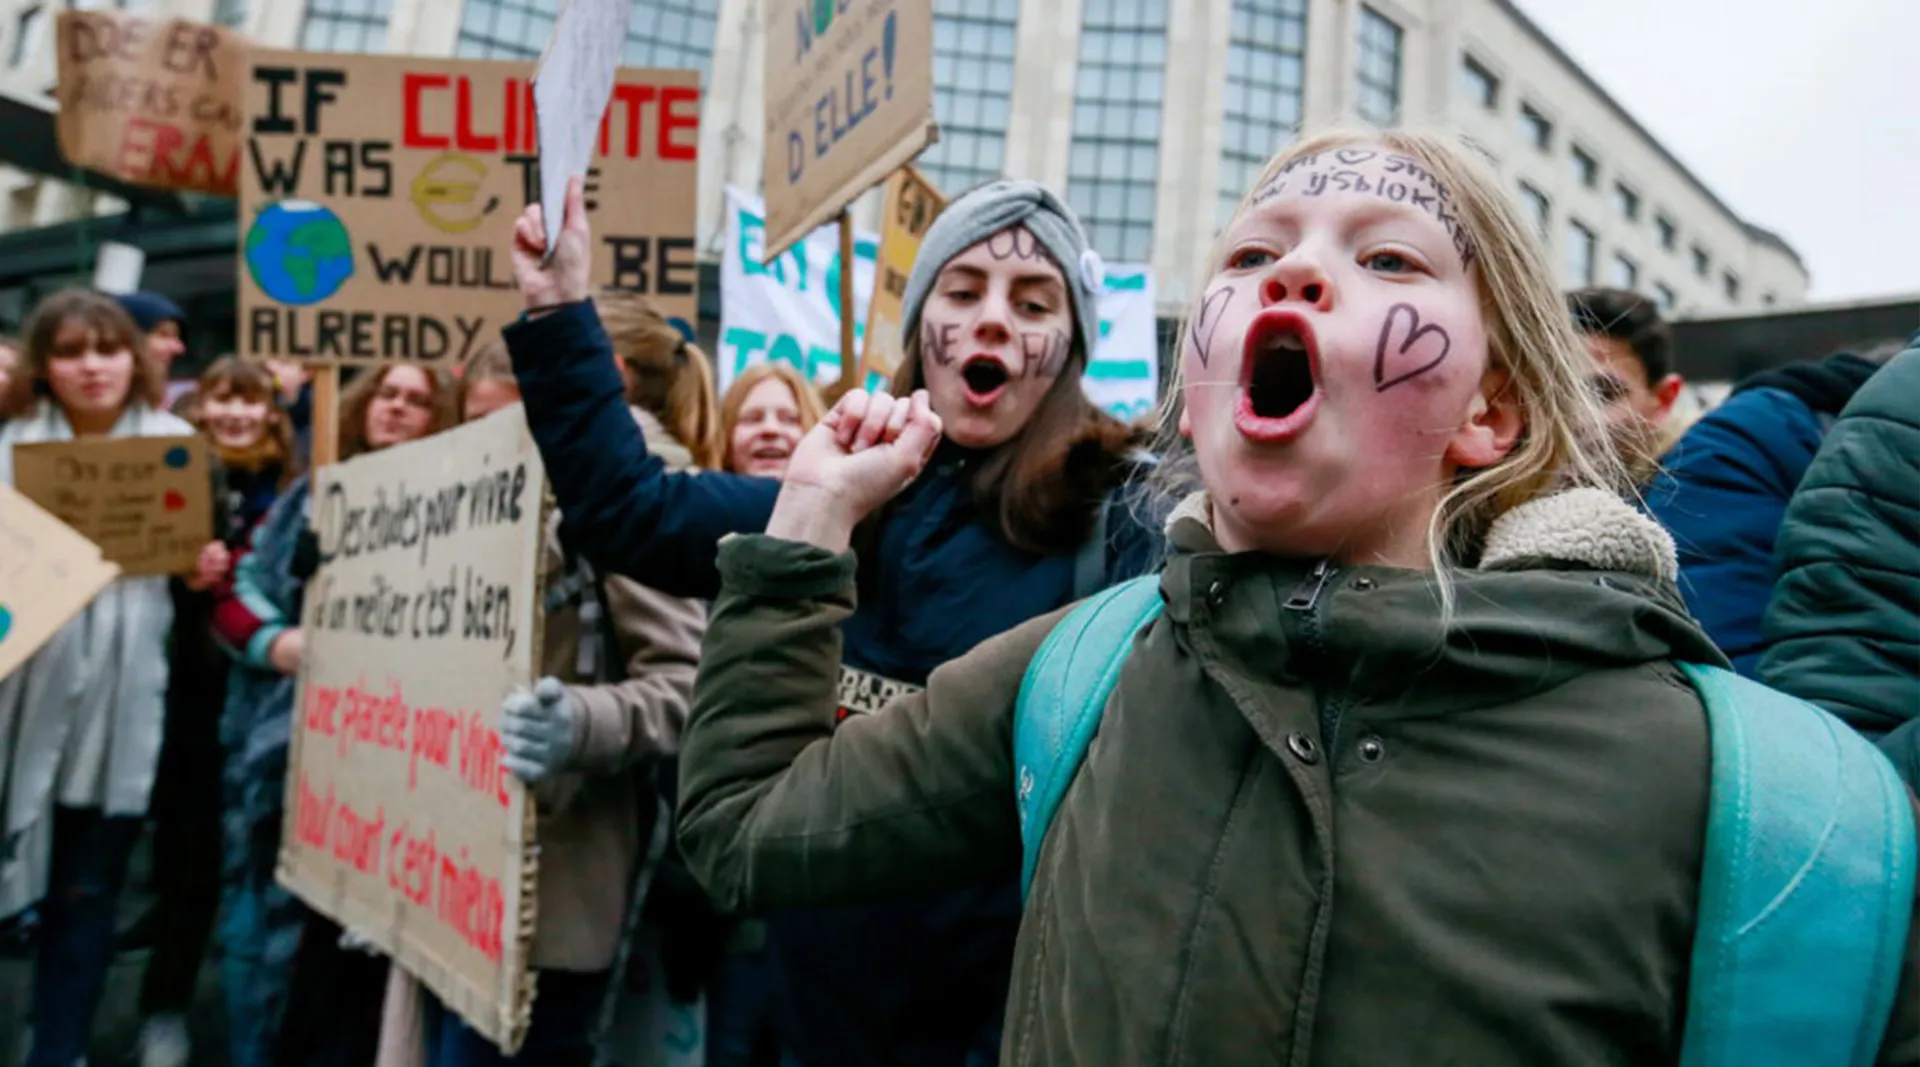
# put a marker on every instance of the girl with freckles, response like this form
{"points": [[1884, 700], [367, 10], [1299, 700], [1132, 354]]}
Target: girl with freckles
{"points": [[1398, 766]]}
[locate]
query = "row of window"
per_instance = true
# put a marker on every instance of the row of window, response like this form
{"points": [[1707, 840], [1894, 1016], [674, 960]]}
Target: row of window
{"points": [[1481, 86]]}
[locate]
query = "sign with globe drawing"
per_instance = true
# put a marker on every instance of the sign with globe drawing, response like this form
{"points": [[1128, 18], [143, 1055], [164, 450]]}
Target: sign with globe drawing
{"points": [[378, 195]]}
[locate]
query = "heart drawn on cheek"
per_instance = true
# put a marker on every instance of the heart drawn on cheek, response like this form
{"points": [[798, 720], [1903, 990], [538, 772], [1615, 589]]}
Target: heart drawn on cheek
{"points": [[1407, 349]]}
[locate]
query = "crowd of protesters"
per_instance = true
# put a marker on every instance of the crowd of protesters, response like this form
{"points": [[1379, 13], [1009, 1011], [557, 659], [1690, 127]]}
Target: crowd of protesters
{"points": [[1398, 761]]}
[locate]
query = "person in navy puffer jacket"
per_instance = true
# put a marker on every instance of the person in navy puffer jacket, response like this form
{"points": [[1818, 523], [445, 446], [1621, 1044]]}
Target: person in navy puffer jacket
{"points": [[1724, 488], [1018, 513]]}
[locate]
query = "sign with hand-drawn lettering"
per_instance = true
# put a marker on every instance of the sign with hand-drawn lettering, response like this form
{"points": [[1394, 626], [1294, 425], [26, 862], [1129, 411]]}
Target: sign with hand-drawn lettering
{"points": [[911, 206], [849, 87], [402, 823], [379, 193], [48, 574], [146, 501], [151, 101]]}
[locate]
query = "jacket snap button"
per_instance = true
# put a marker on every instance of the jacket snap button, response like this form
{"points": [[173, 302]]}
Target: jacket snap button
{"points": [[1303, 748], [1216, 593], [1372, 750], [1363, 584]]}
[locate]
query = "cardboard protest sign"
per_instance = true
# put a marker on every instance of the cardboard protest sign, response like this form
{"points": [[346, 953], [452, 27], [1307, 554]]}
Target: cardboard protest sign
{"points": [[47, 574], [912, 205], [146, 501], [849, 87], [570, 94], [151, 101], [788, 308], [425, 614], [379, 193]]}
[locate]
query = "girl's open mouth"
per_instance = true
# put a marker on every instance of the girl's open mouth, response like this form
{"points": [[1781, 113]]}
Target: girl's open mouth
{"points": [[985, 378], [1279, 383], [772, 450]]}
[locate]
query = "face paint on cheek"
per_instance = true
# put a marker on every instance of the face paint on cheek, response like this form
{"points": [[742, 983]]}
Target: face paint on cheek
{"points": [[1206, 321], [1045, 353], [1407, 349], [938, 340]]}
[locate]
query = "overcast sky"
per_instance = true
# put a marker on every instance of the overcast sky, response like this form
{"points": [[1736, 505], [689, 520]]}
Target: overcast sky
{"points": [[1803, 117]]}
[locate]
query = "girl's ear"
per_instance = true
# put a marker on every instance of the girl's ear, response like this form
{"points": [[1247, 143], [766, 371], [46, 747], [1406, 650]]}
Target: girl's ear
{"points": [[1493, 424]]}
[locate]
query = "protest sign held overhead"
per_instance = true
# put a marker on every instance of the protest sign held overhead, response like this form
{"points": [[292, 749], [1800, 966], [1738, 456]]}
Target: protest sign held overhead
{"points": [[48, 573], [911, 206], [147, 502], [151, 101], [379, 193], [849, 98], [570, 93], [401, 821]]}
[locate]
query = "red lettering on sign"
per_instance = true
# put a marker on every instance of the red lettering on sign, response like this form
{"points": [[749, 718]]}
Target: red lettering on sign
{"points": [[413, 88], [670, 122]]}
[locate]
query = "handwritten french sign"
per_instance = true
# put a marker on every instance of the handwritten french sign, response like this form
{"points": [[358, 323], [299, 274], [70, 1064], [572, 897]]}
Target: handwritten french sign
{"points": [[48, 574], [911, 206], [424, 615], [849, 87], [151, 101], [146, 501], [379, 193]]}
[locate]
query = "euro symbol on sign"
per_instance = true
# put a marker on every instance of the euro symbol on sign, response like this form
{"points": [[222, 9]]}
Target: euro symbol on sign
{"points": [[446, 190]]}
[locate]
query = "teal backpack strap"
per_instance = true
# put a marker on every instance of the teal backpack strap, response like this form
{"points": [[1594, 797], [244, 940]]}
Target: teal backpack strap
{"points": [[1806, 890], [1062, 698]]}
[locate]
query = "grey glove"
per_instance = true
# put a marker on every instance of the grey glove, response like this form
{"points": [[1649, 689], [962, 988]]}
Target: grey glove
{"points": [[539, 730]]}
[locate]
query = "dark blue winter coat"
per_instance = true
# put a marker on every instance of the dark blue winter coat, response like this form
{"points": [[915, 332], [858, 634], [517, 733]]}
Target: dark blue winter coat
{"points": [[1724, 488], [922, 983]]}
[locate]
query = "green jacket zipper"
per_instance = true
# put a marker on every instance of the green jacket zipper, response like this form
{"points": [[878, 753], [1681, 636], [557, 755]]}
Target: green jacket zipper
{"points": [[1306, 600]]}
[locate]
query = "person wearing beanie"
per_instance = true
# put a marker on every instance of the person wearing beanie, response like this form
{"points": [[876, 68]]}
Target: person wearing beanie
{"points": [[161, 320], [1019, 513]]}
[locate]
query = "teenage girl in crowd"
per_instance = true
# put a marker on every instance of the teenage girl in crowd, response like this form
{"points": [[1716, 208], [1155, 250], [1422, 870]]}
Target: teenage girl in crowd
{"points": [[618, 661], [766, 411], [1017, 514], [1403, 769], [237, 410], [258, 620], [81, 721]]}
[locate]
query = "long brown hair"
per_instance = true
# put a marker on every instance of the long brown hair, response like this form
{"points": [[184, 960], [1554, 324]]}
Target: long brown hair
{"points": [[113, 330], [669, 376], [1043, 486], [491, 363], [359, 397], [254, 383], [731, 404]]}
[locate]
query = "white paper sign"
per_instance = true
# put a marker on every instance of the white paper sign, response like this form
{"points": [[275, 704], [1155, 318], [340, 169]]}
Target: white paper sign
{"points": [[788, 310], [570, 92]]}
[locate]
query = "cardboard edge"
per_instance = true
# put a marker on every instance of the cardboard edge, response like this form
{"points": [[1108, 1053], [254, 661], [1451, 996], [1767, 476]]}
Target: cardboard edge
{"points": [[875, 172], [523, 979]]}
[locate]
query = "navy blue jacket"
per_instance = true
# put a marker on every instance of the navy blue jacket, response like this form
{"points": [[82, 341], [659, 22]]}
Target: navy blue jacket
{"points": [[1724, 490], [922, 983]]}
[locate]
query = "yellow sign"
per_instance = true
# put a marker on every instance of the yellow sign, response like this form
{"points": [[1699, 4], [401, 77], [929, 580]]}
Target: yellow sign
{"points": [[912, 205]]}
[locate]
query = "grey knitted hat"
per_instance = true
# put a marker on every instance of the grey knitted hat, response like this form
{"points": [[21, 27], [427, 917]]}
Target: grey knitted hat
{"points": [[986, 210]]}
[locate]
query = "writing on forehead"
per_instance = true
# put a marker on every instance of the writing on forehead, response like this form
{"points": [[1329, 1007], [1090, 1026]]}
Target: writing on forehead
{"points": [[1404, 181], [1014, 243]]}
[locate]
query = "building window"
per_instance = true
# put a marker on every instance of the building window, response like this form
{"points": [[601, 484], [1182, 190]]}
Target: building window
{"points": [[1663, 296], [973, 45], [1580, 249], [1378, 72], [1626, 201], [1702, 264], [1536, 129], [1626, 273], [1114, 166], [1478, 84], [230, 13], [1586, 169], [1265, 70], [28, 29], [660, 33], [1669, 233], [1538, 208], [346, 26], [1730, 283]]}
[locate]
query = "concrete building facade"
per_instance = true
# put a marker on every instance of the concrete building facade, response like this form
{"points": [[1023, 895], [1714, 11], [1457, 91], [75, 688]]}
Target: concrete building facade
{"points": [[1151, 116]]}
